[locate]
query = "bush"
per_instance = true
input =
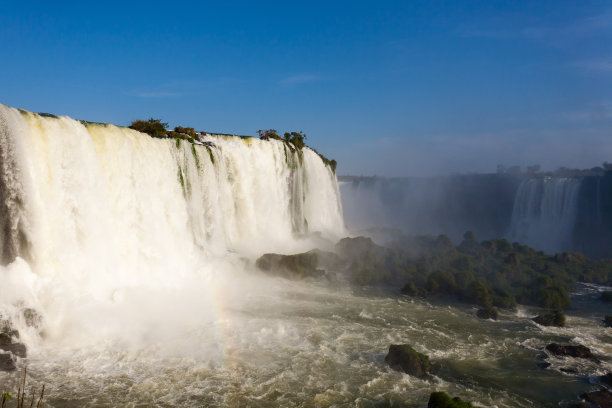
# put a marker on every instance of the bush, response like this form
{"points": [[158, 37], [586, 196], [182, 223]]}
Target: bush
{"points": [[185, 130], [443, 400], [152, 127], [295, 138], [268, 134]]}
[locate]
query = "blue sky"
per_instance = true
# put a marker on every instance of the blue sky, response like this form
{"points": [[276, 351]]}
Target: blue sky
{"points": [[387, 88]]}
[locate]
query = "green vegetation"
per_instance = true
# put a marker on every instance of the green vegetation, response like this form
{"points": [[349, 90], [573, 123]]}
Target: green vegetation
{"points": [[491, 273], [195, 156], [295, 138], [295, 142], [21, 396], [181, 179], [210, 154], [443, 400], [48, 115], [152, 127], [184, 133], [268, 134]]}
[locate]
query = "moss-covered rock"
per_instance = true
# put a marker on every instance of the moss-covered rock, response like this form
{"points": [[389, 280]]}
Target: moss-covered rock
{"points": [[298, 266], [555, 318], [443, 400], [402, 357], [487, 313]]}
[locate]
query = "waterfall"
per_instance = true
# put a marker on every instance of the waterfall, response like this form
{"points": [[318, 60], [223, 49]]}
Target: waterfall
{"points": [[544, 213], [91, 210]]}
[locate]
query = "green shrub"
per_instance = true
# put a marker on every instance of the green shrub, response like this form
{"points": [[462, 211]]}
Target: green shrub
{"points": [[152, 127], [443, 400], [268, 134], [186, 130]]}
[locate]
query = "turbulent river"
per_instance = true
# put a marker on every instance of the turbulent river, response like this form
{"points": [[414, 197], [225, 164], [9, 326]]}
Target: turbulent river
{"points": [[137, 256]]}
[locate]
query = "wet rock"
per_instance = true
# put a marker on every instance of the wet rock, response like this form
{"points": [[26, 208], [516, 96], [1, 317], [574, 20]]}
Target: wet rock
{"points": [[487, 313], [7, 343], [578, 351], [7, 363], [606, 379], [402, 357], [556, 319], [295, 267], [601, 399], [443, 400]]}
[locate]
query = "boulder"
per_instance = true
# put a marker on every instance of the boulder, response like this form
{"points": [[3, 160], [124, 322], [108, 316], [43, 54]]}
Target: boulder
{"points": [[402, 357], [8, 342], [7, 363], [443, 400], [601, 399], [578, 351], [487, 313], [555, 318], [295, 267]]}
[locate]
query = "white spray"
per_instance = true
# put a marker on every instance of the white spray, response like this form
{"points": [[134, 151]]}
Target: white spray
{"points": [[106, 230]]}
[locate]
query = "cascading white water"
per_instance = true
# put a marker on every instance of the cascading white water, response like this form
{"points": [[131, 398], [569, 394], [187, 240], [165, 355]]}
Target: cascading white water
{"points": [[545, 212], [98, 220]]}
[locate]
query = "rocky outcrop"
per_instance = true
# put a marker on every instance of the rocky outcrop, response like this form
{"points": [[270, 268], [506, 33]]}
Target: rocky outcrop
{"points": [[606, 379], [7, 362], [402, 357], [601, 399], [299, 266], [487, 313], [8, 344], [578, 351], [555, 318]]}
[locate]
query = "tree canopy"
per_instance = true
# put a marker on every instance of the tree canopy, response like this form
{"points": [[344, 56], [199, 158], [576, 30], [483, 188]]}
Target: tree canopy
{"points": [[152, 127]]}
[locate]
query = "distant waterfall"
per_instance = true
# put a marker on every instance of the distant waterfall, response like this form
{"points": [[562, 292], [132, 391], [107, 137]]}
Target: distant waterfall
{"points": [[545, 213]]}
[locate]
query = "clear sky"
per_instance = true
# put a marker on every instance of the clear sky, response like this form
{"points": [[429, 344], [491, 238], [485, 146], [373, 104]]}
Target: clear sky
{"points": [[389, 88]]}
